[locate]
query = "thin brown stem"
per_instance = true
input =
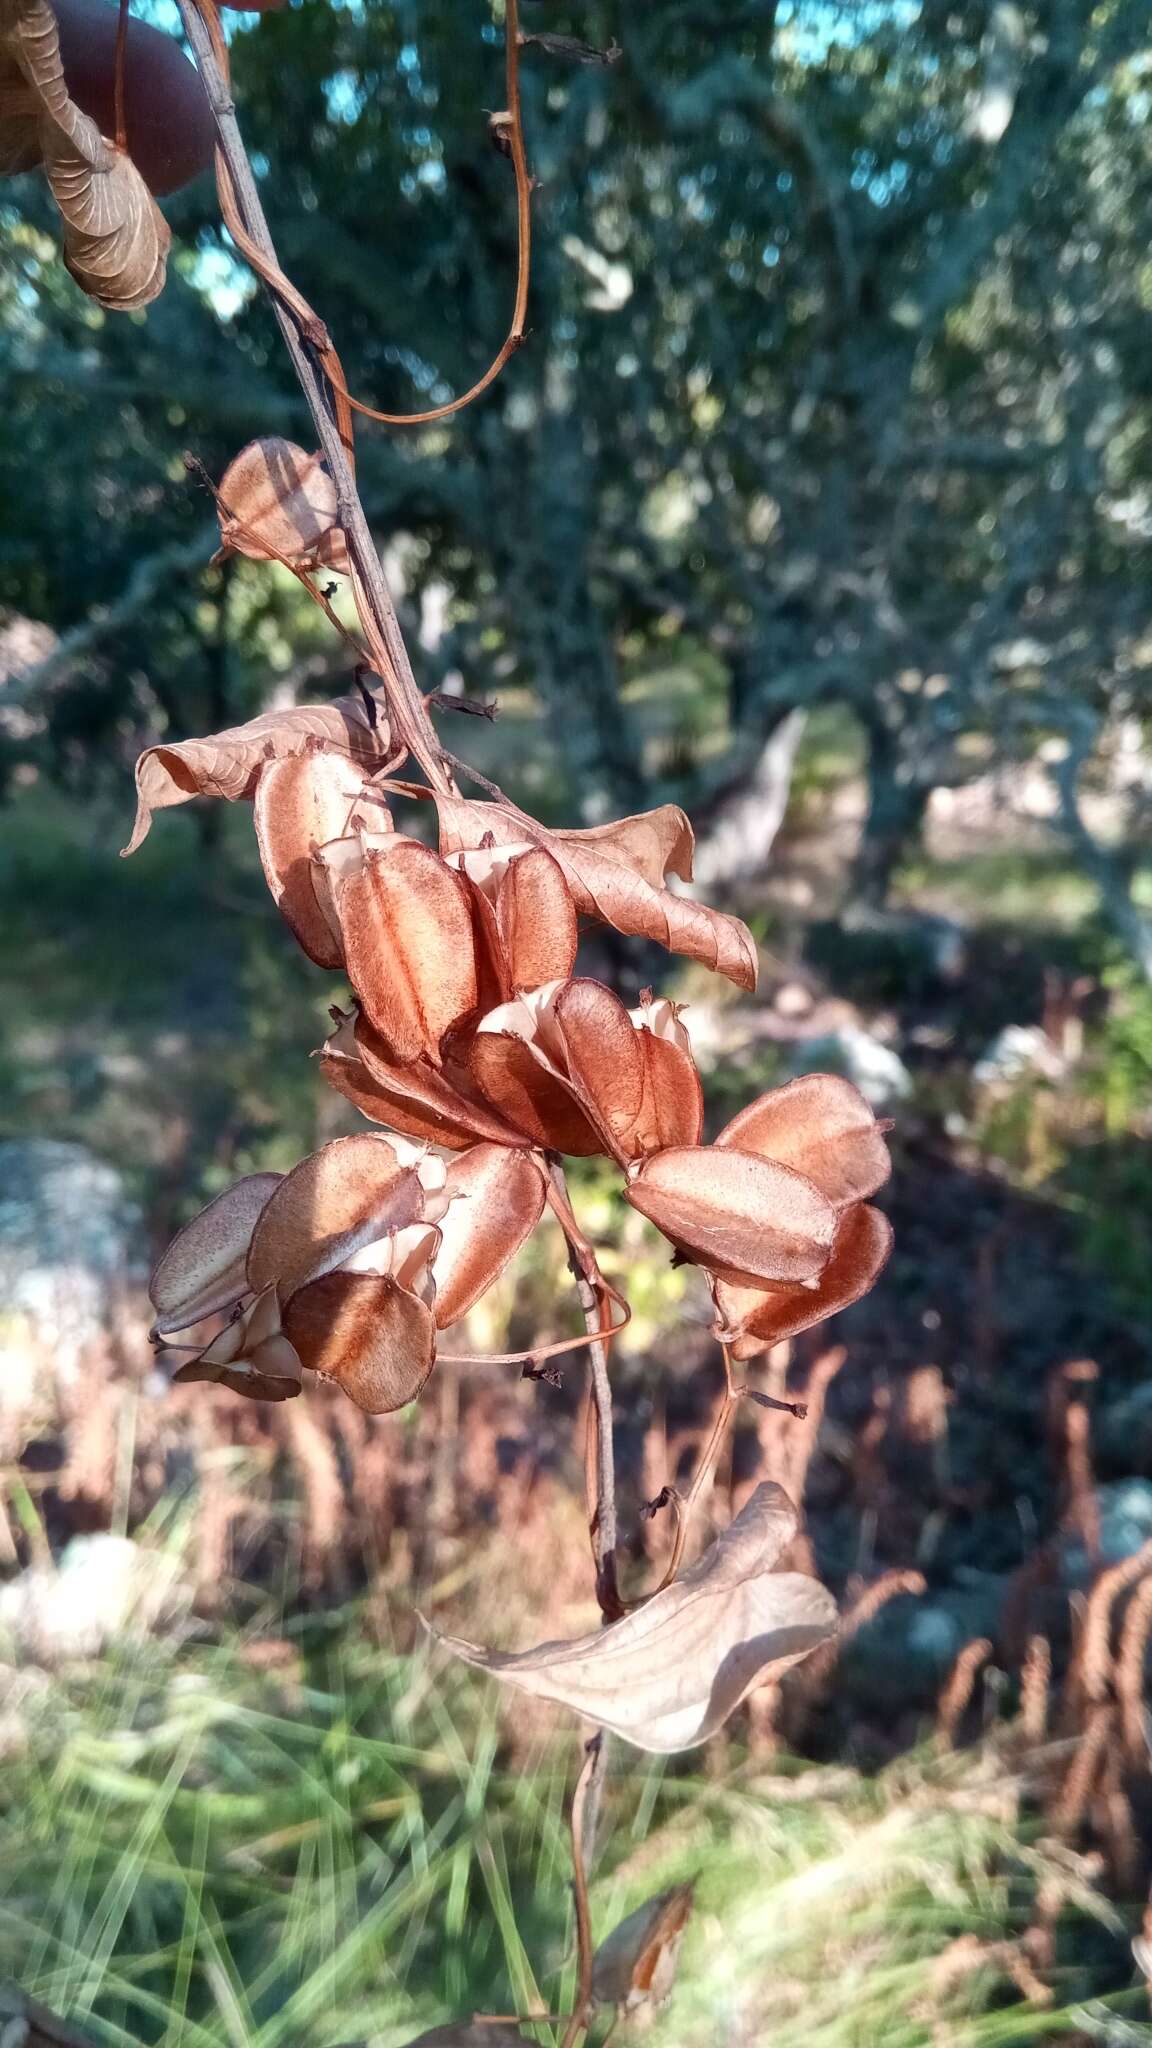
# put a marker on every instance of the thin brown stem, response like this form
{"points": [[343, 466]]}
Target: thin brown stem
{"points": [[308, 346], [585, 1804], [120, 123], [513, 43], [705, 1467], [596, 1298]]}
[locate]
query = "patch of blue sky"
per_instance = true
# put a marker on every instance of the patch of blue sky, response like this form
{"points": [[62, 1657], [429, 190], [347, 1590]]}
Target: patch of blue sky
{"points": [[813, 27], [220, 277]]}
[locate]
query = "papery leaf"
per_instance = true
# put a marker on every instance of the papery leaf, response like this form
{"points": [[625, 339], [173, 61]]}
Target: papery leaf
{"points": [[332, 1204], [276, 500], [228, 764], [301, 802], [615, 873], [536, 918], [635, 1967], [116, 239], [371, 1336], [823, 1127], [29, 35], [736, 1213], [204, 1267], [498, 1199], [670, 1673], [251, 1355], [525, 1090], [421, 1100], [407, 928], [752, 1318]]}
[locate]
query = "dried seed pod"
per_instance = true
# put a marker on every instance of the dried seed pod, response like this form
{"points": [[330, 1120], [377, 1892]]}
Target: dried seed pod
{"points": [[278, 503]]}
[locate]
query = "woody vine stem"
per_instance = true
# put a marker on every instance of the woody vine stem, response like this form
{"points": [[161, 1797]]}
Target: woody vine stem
{"points": [[322, 381]]}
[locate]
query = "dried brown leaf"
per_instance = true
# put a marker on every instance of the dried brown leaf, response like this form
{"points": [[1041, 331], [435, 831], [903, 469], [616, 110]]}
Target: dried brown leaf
{"points": [[635, 1967], [333, 1204], [736, 1213], [277, 501], [670, 1673], [116, 239], [407, 928], [203, 1269], [616, 873], [497, 1201], [821, 1126], [301, 802], [752, 1318], [369, 1334], [228, 764]]}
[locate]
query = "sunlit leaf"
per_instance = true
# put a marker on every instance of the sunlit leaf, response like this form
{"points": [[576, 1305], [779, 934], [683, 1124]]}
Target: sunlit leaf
{"points": [[228, 764], [669, 1674]]}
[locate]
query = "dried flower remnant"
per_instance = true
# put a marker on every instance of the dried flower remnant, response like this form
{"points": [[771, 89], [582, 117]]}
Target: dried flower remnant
{"points": [[576, 1072], [347, 1267], [670, 1673]]}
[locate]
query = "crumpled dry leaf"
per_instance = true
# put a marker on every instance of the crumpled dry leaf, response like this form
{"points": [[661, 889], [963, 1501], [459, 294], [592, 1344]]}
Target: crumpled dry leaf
{"points": [[301, 801], [414, 1097], [616, 874], [739, 1215], [277, 501], [251, 1355], [228, 764], [406, 922], [497, 1198], [669, 1674], [752, 1318], [634, 1968], [116, 239], [204, 1269]]}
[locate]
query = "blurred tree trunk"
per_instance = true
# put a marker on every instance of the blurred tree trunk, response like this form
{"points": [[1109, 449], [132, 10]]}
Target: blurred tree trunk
{"points": [[897, 803]]}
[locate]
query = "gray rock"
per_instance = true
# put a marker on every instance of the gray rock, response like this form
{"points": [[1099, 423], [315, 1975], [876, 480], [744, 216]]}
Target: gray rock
{"points": [[1015, 1053], [1125, 1510], [67, 1238], [903, 1656], [103, 1588]]}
